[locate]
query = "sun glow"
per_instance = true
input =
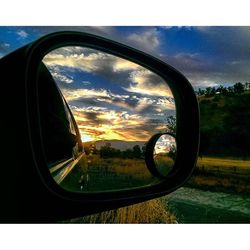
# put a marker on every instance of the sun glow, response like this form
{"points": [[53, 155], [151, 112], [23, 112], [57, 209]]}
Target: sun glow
{"points": [[86, 137]]}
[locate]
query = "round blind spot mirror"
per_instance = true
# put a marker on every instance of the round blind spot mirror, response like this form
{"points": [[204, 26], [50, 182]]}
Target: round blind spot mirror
{"points": [[165, 154]]}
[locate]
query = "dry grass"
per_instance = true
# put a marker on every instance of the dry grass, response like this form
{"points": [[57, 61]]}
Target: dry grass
{"points": [[219, 174], [225, 165], [224, 184], [108, 174], [222, 162], [131, 167], [150, 212]]}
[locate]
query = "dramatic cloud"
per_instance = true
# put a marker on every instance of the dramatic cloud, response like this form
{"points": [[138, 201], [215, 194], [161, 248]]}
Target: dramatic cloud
{"points": [[102, 123], [198, 70], [125, 65], [229, 43], [113, 68], [218, 55], [131, 104], [88, 60], [99, 97], [148, 83], [61, 77], [87, 63], [204, 72], [147, 40], [118, 116], [144, 38], [105, 31], [207, 56], [164, 144], [76, 94]]}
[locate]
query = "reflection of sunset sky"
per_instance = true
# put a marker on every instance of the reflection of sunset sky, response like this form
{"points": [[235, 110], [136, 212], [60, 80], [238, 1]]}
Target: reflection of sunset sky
{"points": [[111, 98], [207, 56], [164, 144]]}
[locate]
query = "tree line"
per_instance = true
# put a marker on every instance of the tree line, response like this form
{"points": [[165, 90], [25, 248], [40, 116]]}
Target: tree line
{"points": [[237, 88], [225, 125], [107, 151], [136, 152]]}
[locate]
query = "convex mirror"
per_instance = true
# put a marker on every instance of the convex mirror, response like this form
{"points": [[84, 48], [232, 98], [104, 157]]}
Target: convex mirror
{"points": [[165, 154]]}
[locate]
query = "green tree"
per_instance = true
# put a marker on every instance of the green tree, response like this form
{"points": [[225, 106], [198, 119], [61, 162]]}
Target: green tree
{"points": [[222, 90], [171, 124], [106, 150], [247, 85], [238, 88], [128, 153], [172, 152], [137, 152], [210, 91], [201, 92], [236, 124]]}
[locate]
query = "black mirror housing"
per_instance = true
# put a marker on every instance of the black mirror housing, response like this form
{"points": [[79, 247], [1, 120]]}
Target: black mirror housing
{"points": [[28, 192]]}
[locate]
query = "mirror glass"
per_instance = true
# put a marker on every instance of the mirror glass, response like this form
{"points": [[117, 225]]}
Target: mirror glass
{"points": [[165, 154], [95, 132]]}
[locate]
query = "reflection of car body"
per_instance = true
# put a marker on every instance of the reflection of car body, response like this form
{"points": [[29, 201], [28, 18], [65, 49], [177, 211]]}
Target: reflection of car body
{"points": [[62, 142], [59, 130]]}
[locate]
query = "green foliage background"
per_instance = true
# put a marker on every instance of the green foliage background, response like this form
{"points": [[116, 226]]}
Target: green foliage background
{"points": [[225, 122]]}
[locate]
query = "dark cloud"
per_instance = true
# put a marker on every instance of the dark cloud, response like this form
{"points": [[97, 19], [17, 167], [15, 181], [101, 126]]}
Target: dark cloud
{"points": [[222, 54], [139, 104], [149, 109], [108, 102], [85, 102], [129, 102], [105, 31], [92, 62], [91, 116], [147, 39], [222, 57], [211, 71], [153, 81], [143, 38], [227, 43], [106, 71]]}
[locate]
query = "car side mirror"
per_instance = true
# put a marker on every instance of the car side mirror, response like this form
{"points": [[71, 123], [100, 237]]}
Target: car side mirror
{"points": [[94, 128]]}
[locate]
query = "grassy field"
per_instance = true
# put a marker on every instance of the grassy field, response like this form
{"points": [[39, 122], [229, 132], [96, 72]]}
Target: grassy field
{"points": [[164, 164], [108, 174], [213, 174], [115, 174], [220, 174], [213, 162]]}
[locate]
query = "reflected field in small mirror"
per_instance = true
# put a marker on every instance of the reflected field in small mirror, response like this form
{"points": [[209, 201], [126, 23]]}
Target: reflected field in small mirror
{"points": [[118, 106]]}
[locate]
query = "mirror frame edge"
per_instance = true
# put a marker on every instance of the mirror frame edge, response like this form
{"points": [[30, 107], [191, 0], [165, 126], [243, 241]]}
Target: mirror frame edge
{"points": [[185, 107]]}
